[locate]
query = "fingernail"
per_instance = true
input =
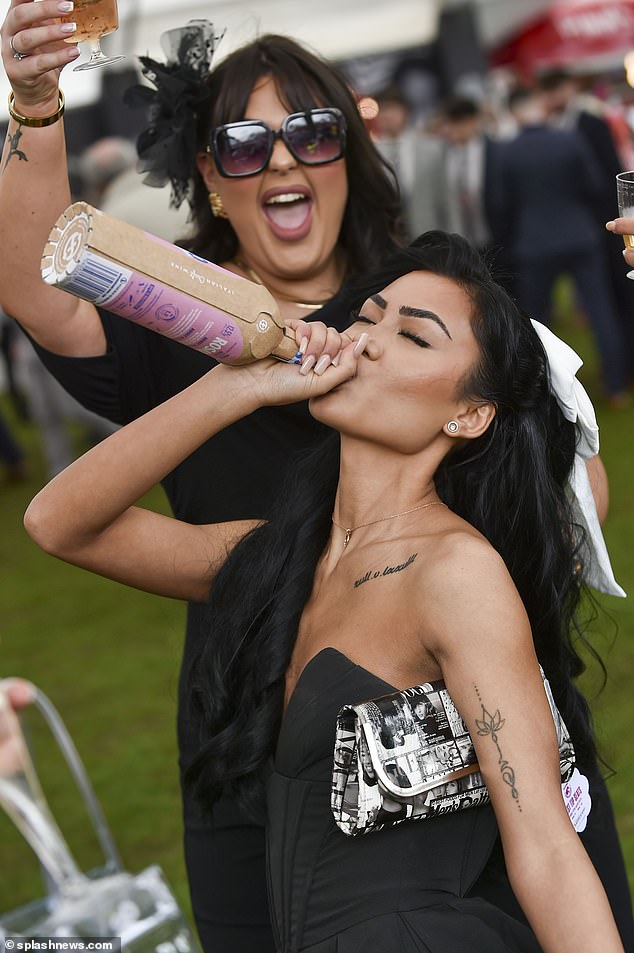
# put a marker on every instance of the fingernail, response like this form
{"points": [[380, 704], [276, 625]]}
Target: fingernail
{"points": [[68, 27], [323, 362], [609, 224], [307, 365], [335, 360], [359, 347], [303, 346], [65, 6], [73, 52]]}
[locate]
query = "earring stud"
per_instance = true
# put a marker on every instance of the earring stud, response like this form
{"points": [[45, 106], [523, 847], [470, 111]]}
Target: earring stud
{"points": [[453, 427]]}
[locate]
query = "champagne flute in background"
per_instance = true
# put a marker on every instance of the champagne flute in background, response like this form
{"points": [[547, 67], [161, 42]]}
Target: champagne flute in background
{"points": [[94, 19], [625, 200]]}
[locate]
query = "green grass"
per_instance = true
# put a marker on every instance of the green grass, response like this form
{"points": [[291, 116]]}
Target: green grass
{"points": [[613, 633], [108, 657]]}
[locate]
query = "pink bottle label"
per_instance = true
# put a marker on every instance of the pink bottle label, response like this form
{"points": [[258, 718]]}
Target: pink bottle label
{"points": [[178, 316], [156, 306]]}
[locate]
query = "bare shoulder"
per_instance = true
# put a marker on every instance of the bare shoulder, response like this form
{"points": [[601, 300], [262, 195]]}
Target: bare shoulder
{"points": [[465, 587], [460, 559]]}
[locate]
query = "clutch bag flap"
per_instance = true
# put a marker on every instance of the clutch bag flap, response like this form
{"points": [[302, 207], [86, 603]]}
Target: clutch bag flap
{"points": [[416, 740], [409, 755]]}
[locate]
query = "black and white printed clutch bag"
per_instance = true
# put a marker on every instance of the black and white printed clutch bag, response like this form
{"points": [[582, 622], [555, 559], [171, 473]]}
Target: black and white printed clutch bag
{"points": [[409, 755]]}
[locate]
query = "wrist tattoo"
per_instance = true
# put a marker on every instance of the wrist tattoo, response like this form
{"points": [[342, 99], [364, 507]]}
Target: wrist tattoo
{"points": [[492, 725], [388, 571], [14, 150]]}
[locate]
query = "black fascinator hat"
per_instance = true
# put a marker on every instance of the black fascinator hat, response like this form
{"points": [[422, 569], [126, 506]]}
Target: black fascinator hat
{"points": [[175, 99]]}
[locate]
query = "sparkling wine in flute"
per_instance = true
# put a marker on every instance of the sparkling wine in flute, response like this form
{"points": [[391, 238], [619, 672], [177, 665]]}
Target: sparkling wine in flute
{"points": [[628, 240], [94, 19], [625, 200]]}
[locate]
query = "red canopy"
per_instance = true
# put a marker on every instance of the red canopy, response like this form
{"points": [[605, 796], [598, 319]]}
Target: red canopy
{"points": [[569, 32]]}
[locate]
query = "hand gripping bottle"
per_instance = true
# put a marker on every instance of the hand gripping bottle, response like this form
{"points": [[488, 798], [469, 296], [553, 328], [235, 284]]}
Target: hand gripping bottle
{"points": [[164, 288]]}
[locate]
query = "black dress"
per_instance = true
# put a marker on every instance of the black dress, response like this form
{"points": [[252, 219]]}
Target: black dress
{"points": [[399, 890]]}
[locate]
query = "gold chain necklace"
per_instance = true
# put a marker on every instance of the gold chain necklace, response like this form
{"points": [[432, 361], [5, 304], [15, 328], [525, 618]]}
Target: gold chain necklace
{"points": [[253, 275], [349, 530]]}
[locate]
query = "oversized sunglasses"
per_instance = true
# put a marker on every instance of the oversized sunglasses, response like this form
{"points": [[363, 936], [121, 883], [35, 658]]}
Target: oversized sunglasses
{"points": [[314, 137]]}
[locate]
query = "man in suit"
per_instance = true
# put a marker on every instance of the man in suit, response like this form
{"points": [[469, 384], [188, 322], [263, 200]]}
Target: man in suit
{"points": [[545, 194], [415, 157], [466, 187], [566, 109], [468, 168]]}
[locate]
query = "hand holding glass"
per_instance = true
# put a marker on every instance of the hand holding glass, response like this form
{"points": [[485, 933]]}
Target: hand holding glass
{"points": [[94, 19], [625, 200]]}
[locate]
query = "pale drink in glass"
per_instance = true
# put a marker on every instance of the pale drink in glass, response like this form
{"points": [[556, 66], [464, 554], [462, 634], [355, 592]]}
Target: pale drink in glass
{"points": [[94, 19], [625, 200]]}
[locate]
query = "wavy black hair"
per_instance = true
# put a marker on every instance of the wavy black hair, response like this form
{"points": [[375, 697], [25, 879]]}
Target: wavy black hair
{"points": [[372, 221], [509, 484]]}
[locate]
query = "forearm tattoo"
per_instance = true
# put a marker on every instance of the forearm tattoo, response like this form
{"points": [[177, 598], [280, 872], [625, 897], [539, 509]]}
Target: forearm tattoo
{"points": [[14, 150], [388, 571], [491, 725]]}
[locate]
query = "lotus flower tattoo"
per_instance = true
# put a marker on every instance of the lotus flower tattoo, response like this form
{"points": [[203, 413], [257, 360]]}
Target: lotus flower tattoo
{"points": [[491, 725]]}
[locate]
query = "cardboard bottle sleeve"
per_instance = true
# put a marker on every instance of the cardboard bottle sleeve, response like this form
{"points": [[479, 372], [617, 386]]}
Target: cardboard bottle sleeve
{"points": [[163, 287]]}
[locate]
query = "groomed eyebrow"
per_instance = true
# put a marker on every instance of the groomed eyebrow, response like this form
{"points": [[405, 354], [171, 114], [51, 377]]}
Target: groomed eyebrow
{"points": [[408, 312]]}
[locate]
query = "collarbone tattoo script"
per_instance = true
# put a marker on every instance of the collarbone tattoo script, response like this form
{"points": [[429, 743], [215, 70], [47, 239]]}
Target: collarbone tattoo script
{"points": [[14, 150], [388, 571], [491, 725]]}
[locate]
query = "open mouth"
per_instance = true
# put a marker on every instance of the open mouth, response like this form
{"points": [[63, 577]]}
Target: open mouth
{"points": [[288, 213]]}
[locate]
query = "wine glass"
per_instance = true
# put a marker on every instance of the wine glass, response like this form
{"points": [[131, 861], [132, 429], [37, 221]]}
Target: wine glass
{"points": [[94, 19], [625, 199]]}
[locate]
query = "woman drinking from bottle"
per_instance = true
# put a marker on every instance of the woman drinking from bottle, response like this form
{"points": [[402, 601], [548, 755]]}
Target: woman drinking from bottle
{"points": [[433, 536]]}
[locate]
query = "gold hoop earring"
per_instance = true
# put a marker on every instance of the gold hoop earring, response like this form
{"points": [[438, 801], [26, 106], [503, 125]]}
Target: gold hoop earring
{"points": [[216, 206]]}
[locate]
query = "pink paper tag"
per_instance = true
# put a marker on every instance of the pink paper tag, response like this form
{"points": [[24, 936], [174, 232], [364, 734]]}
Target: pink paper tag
{"points": [[577, 800]]}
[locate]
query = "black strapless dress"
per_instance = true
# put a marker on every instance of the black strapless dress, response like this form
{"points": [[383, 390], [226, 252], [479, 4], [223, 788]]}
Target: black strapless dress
{"points": [[394, 891]]}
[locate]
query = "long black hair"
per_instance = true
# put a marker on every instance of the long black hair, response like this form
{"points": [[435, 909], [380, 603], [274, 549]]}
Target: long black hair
{"points": [[371, 226], [509, 484]]}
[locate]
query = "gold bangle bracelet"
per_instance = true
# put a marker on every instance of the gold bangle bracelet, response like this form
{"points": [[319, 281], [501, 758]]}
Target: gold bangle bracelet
{"points": [[36, 122]]}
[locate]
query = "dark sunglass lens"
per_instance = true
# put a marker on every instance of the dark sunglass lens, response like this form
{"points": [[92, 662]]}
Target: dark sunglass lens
{"points": [[316, 137], [242, 150]]}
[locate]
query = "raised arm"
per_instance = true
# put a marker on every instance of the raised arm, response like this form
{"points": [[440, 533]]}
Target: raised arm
{"points": [[86, 515], [483, 643], [34, 187]]}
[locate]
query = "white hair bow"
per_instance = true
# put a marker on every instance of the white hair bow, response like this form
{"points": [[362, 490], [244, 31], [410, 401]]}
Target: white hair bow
{"points": [[577, 407]]}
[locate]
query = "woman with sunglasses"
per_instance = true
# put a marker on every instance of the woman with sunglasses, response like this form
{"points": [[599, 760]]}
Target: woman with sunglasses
{"points": [[456, 428], [241, 145], [286, 188]]}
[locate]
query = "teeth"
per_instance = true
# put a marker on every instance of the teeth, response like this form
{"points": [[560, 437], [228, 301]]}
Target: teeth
{"points": [[286, 198]]}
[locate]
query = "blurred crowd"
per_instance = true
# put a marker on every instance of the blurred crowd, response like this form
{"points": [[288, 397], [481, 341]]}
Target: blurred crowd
{"points": [[528, 178], [530, 181]]}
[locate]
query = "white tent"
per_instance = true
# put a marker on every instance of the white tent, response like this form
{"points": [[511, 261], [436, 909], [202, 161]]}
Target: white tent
{"points": [[335, 28]]}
